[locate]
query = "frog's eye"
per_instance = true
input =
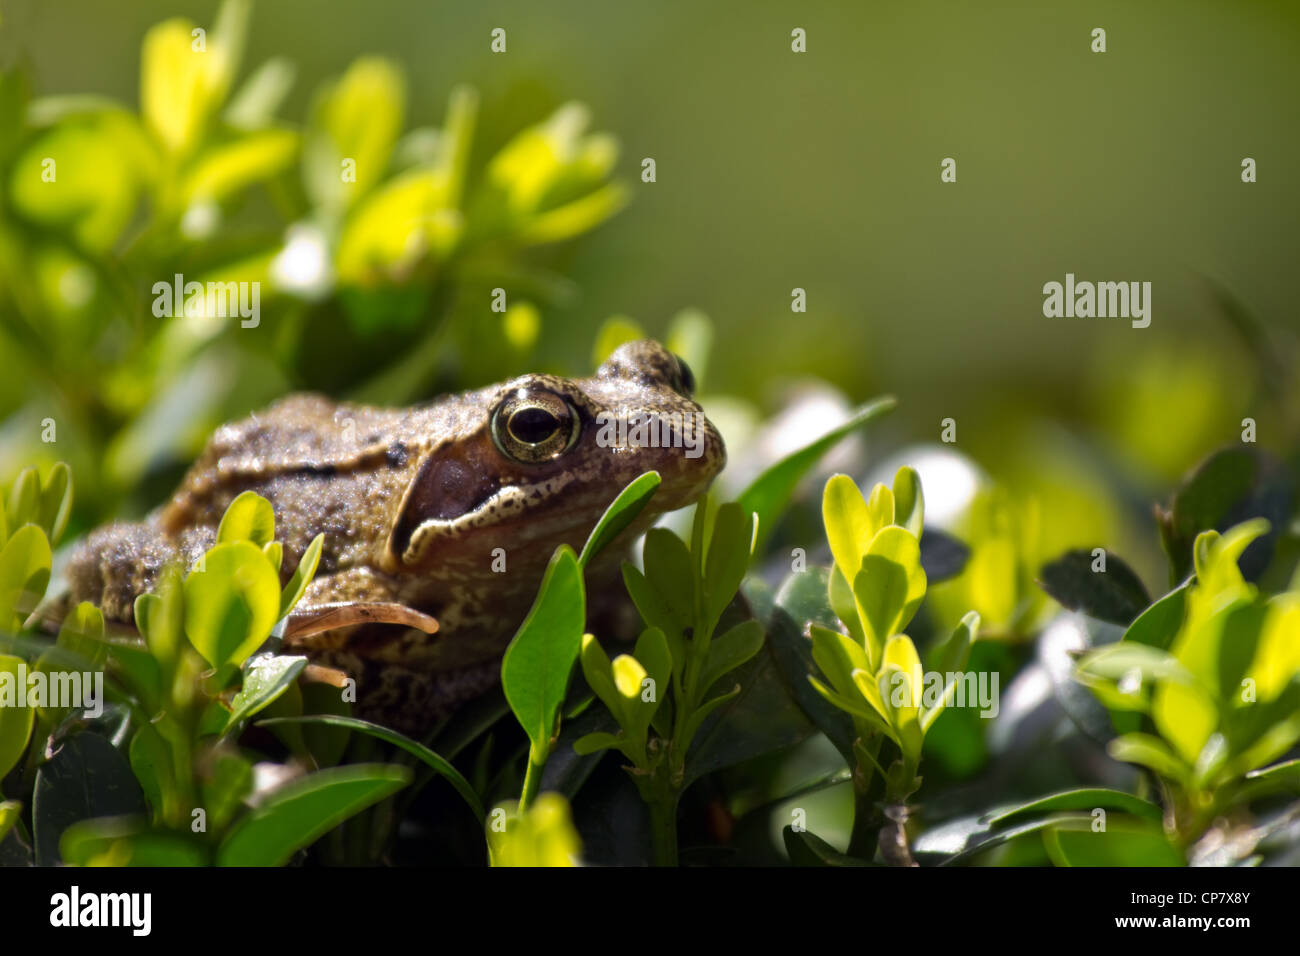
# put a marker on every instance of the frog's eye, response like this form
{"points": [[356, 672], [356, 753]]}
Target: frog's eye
{"points": [[685, 377], [534, 425]]}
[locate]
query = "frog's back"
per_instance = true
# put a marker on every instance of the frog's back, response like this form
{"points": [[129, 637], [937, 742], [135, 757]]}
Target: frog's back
{"points": [[328, 468]]}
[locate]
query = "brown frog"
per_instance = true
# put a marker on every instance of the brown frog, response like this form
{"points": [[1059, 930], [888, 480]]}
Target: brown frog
{"points": [[446, 511]]}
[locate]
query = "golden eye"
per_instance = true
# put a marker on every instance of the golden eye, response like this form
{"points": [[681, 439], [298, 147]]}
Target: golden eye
{"points": [[534, 425]]}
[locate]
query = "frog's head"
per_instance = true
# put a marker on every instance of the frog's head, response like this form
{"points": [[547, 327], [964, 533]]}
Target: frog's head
{"points": [[542, 457]]}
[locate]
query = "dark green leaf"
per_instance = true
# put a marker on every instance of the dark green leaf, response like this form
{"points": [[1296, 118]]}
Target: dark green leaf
{"points": [[1231, 486], [802, 600], [1115, 595], [942, 556], [86, 778]]}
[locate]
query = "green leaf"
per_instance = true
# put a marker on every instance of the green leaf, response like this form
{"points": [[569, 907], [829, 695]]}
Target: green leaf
{"points": [[180, 86], [596, 742], [126, 841], [302, 811], [728, 558], [24, 575], [151, 762], [729, 651], [227, 780], [951, 659], [1277, 652], [434, 761], [160, 618], [1119, 660], [909, 501], [537, 664], [544, 836], [709, 706], [10, 813], [769, 493], [1150, 752], [266, 677], [229, 168], [631, 501], [1122, 843], [274, 552], [1185, 715], [891, 584], [1158, 624], [656, 662], [880, 506], [24, 502], [302, 575], [255, 103], [849, 524], [1283, 776], [1083, 798], [232, 603], [56, 502], [248, 518], [669, 571], [839, 595], [599, 674], [838, 657], [15, 722], [955, 652], [1115, 595], [357, 118]]}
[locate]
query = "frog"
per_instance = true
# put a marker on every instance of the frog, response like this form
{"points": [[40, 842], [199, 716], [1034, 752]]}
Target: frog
{"points": [[439, 520]]}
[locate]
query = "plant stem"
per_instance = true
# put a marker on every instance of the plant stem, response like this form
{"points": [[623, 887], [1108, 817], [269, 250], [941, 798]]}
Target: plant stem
{"points": [[532, 778], [893, 836], [866, 825], [866, 785], [663, 828]]}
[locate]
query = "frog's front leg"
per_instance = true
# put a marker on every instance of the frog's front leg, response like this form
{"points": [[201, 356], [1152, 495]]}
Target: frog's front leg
{"points": [[337, 604]]}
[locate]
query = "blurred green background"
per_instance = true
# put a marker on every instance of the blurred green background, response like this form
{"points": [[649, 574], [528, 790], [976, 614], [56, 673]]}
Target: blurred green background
{"points": [[821, 170]]}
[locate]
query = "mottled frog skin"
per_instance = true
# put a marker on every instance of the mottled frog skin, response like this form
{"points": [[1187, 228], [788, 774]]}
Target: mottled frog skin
{"points": [[413, 503]]}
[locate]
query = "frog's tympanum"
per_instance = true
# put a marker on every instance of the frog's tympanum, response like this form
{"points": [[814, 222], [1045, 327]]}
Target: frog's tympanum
{"points": [[441, 516]]}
